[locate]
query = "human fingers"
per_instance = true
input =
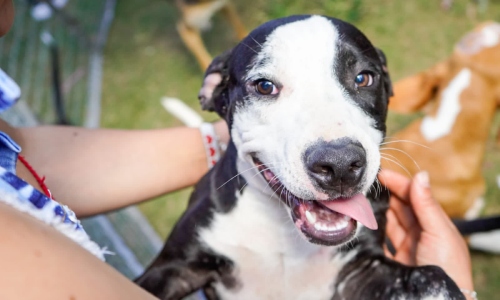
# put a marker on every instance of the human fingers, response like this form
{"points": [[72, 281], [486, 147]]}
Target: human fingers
{"points": [[406, 253], [427, 210], [403, 212], [398, 184], [404, 240], [394, 230]]}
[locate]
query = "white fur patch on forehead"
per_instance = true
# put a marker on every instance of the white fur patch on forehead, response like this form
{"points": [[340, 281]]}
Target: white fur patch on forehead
{"points": [[300, 44]]}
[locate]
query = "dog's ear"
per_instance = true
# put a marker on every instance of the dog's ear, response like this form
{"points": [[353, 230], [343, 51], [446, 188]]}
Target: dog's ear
{"points": [[387, 78], [213, 94]]}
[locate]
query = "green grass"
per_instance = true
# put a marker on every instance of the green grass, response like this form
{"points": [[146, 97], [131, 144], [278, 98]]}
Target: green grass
{"points": [[146, 60]]}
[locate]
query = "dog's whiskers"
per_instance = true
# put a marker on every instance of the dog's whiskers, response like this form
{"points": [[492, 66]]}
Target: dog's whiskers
{"points": [[379, 187], [255, 51], [246, 183], [240, 173], [397, 163], [376, 188], [401, 151], [288, 197], [372, 188], [404, 141], [395, 159], [272, 187], [281, 193], [256, 42]]}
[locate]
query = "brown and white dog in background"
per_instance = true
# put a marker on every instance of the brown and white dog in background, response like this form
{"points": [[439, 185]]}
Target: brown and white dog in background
{"points": [[196, 15], [449, 140]]}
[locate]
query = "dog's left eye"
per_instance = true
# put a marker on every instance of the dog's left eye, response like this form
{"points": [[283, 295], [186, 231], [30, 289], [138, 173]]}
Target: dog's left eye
{"points": [[363, 79], [266, 87]]}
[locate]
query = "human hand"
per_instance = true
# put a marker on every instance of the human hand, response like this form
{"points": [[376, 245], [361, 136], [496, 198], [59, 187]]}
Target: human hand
{"points": [[420, 230]]}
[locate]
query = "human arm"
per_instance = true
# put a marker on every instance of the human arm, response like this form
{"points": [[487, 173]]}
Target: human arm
{"points": [[38, 262], [97, 170], [420, 230]]}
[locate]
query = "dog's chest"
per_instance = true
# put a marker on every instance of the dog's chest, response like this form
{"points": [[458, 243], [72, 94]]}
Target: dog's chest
{"points": [[271, 260]]}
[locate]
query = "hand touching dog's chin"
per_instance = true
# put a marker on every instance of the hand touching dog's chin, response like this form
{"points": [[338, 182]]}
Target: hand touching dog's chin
{"points": [[329, 222]]}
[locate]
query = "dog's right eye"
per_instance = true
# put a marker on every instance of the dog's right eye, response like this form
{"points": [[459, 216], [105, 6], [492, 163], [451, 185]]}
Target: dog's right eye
{"points": [[266, 87], [363, 79]]}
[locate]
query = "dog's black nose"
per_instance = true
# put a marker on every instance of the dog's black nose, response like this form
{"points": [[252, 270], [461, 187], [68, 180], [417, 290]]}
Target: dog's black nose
{"points": [[336, 166]]}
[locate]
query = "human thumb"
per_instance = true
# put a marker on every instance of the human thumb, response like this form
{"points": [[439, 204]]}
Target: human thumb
{"points": [[429, 213]]}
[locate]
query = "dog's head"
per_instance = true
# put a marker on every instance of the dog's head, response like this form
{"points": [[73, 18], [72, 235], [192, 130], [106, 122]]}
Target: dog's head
{"points": [[306, 101]]}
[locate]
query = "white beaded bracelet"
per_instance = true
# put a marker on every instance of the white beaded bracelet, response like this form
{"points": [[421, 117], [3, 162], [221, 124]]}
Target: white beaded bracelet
{"points": [[213, 148], [469, 294]]}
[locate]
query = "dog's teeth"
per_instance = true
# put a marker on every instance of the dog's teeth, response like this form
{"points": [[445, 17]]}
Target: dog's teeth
{"points": [[321, 226], [342, 224], [311, 217]]}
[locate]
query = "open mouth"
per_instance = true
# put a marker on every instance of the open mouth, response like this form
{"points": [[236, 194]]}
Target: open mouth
{"points": [[329, 222]]}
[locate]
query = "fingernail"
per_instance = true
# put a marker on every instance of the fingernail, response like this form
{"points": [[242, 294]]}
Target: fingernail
{"points": [[422, 178]]}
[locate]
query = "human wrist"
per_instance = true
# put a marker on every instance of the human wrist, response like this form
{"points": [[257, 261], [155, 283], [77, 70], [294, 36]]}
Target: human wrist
{"points": [[466, 285], [214, 139], [469, 294]]}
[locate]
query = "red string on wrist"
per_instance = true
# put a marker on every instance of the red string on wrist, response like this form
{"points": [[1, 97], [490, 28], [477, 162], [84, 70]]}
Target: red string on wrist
{"points": [[40, 180]]}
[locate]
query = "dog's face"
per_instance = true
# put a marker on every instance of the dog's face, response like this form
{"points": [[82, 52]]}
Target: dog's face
{"points": [[306, 100]]}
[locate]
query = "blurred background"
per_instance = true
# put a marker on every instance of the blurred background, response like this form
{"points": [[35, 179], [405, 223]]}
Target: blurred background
{"points": [[144, 60]]}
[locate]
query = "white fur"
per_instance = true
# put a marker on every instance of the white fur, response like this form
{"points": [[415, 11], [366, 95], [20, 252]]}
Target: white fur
{"points": [[436, 127], [274, 262]]}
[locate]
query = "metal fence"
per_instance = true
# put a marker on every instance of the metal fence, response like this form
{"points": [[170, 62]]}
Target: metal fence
{"points": [[54, 53]]}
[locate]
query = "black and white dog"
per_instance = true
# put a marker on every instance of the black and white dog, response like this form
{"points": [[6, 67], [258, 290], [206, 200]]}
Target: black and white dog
{"points": [[292, 211]]}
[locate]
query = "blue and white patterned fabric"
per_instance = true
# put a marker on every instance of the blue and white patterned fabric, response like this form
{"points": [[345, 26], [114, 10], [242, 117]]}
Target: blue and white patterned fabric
{"points": [[9, 91], [19, 194]]}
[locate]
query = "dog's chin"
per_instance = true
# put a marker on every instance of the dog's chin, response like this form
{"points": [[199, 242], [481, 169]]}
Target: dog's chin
{"points": [[318, 223]]}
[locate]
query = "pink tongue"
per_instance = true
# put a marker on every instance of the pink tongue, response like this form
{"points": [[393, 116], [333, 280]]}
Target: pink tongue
{"points": [[356, 207]]}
